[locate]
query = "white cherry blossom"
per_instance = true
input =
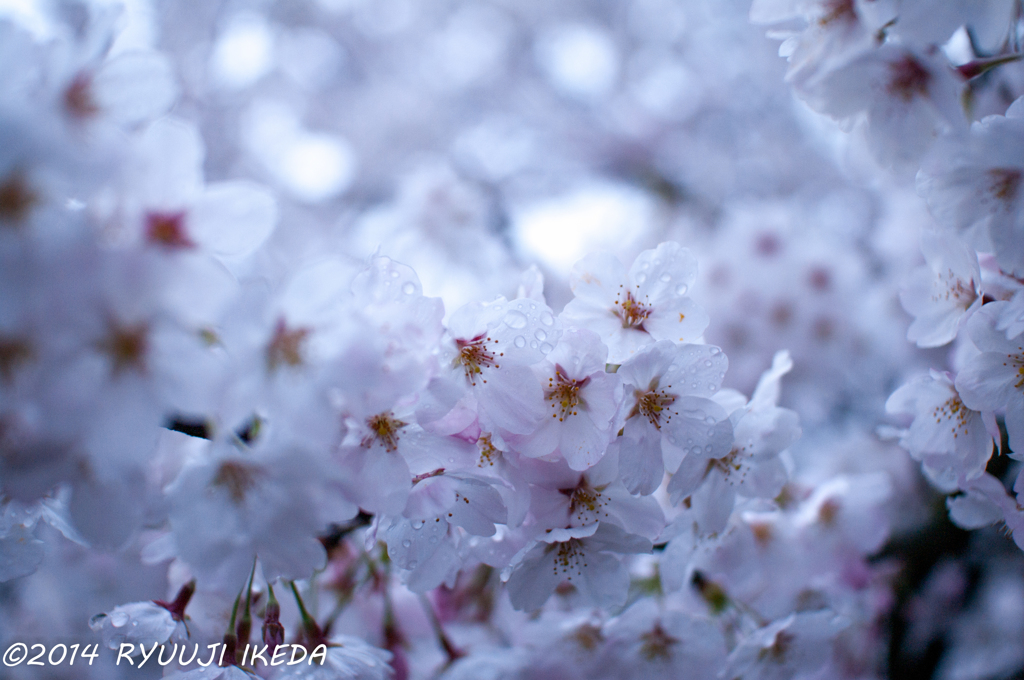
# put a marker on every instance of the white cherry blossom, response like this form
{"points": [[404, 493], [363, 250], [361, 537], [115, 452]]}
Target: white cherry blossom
{"points": [[582, 400], [585, 557], [943, 293], [972, 183], [752, 467], [669, 411], [630, 309], [490, 353], [238, 505], [994, 379], [953, 441], [799, 643]]}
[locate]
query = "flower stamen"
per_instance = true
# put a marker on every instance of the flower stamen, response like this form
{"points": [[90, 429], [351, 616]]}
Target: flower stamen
{"points": [[564, 394]]}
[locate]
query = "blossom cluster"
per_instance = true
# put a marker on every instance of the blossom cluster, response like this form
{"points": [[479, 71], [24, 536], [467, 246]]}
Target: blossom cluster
{"points": [[912, 75], [232, 375], [930, 87]]}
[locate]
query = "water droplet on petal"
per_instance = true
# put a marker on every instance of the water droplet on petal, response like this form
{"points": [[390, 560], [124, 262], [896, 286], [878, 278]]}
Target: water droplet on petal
{"points": [[540, 334], [665, 278], [641, 277], [707, 362], [408, 288], [708, 448], [533, 344], [546, 347], [394, 274], [520, 341], [417, 524], [681, 289], [118, 619], [407, 543], [715, 351], [515, 319], [547, 319], [433, 539], [709, 420], [413, 564]]}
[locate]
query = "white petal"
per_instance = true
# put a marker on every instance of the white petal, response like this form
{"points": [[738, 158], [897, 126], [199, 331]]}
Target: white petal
{"points": [[233, 219], [135, 86]]}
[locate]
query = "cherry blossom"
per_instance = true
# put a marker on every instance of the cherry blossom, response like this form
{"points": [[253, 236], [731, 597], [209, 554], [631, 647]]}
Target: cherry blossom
{"points": [[583, 403], [632, 309], [942, 294], [953, 441], [670, 414], [972, 184], [584, 557], [752, 467], [992, 380]]}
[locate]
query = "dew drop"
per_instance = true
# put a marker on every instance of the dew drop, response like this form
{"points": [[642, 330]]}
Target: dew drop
{"points": [[681, 289], [118, 619], [407, 543], [135, 623], [715, 351], [540, 334], [641, 277], [417, 524], [413, 564], [695, 450], [547, 319], [515, 319], [709, 448], [394, 274], [433, 539], [710, 420], [408, 288], [707, 362], [665, 278], [546, 347], [520, 341], [533, 344]]}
